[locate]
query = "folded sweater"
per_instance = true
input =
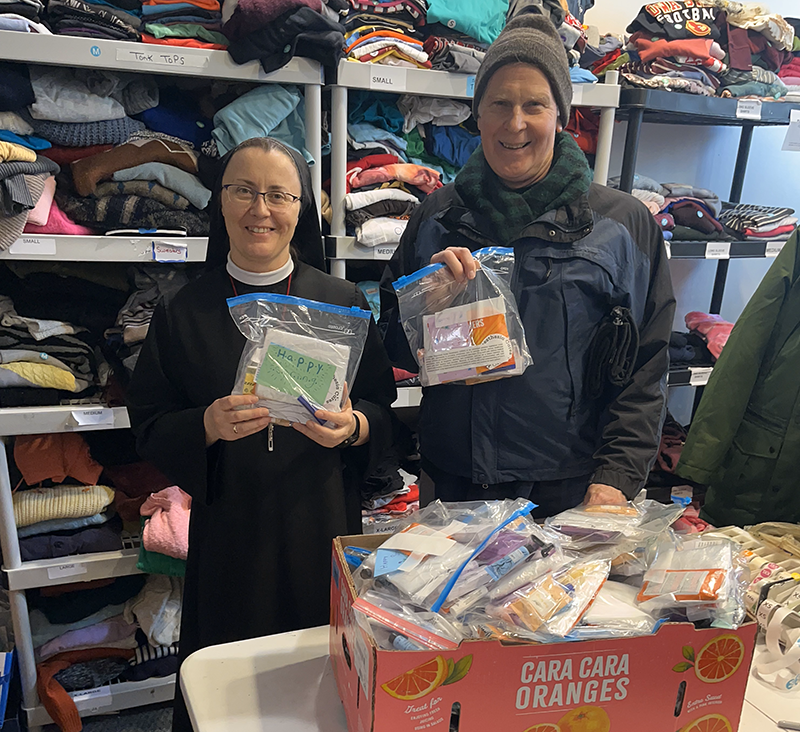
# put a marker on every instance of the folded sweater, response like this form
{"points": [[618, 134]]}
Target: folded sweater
{"points": [[64, 501]]}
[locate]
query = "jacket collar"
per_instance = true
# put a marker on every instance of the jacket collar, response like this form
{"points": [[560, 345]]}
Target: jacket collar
{"points": [[563, 225]]}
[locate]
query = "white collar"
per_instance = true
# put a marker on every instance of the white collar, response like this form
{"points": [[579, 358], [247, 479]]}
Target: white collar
{"points": [[258, 279]]}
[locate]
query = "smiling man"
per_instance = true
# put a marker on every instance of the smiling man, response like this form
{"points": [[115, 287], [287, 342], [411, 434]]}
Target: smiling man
{"points": [[563, 432]]}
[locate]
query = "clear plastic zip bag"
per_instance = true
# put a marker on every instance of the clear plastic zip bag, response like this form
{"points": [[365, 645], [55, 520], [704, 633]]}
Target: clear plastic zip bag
{"points": [[464, 332], [299, 356]]}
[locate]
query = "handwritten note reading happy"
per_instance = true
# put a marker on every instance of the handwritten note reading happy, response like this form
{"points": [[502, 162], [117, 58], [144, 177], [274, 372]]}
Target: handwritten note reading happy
{"points": [[295, 373]]}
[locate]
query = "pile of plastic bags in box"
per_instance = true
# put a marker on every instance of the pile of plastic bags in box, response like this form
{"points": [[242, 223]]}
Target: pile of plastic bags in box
{"points": [[486, 570]]}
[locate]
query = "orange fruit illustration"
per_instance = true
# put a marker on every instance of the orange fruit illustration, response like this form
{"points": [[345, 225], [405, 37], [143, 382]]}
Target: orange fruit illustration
{"points": [[585, 719], [719, 659], [709, 723], [419, 681], [546, 727]]}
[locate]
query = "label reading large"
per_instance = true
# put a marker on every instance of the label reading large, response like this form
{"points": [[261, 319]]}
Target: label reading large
{"points": [[92, 698], [65, 570]]}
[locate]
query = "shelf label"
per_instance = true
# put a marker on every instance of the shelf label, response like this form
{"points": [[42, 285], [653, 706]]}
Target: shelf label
{"points": [[65, 570], [387, 78], [162, 58], [91, 699], [470, 86], [384, 252], [668, 247], [699, 375], [748, 109], [577, 95], [774, 248], [169, 251], [792, 141], [86, 417], [33, 245], [718, 250]]}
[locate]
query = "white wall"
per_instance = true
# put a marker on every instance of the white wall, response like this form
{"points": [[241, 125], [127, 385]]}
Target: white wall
{"points": [[705, 156]]}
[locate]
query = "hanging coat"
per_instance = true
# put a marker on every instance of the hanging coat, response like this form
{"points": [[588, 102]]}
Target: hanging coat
{"points": [[744, 442]]}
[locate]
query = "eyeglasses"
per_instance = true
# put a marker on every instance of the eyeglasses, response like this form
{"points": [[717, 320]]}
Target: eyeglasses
{"points": [[244, 196]]}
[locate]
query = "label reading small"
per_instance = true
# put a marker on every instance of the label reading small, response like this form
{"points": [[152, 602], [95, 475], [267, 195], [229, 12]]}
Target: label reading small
{"points": [[388, 78], [33, 245]]}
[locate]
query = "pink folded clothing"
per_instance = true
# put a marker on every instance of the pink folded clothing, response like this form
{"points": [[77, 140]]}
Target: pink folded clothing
{"points": [[39, 214], [713, 328], [58, 223], [167, 531], [771, 233], [115, 632], [425, 179]]}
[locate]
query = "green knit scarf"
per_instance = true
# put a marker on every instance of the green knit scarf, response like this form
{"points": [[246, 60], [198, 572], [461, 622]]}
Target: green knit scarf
{"points": [[510, 211]]}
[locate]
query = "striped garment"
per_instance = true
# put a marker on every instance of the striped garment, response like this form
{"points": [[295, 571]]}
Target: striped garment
{"points": [[750, 216], [146, 652]]}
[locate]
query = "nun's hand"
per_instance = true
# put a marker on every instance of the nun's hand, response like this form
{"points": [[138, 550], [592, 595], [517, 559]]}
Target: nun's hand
{"points": [[459, 260], [225, 420], [345, 425]]}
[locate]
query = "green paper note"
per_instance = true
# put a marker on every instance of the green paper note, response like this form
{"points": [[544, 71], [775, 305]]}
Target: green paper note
{"points": [[295, 373]]}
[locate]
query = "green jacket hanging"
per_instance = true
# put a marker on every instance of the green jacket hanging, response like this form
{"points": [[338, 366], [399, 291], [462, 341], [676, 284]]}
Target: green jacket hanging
{"points": [[744, 442]]}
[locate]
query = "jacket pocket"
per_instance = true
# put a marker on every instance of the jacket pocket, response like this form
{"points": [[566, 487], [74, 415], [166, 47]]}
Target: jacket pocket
{"points": [[748, 470]]}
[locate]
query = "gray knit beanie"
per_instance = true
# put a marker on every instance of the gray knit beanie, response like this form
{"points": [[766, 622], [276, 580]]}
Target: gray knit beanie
{"points": [[529, 38]]}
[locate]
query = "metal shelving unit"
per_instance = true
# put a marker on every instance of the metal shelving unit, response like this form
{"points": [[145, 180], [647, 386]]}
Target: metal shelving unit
{"points": [[124, 56], [422, 82], [724, 249], [665, 107]]}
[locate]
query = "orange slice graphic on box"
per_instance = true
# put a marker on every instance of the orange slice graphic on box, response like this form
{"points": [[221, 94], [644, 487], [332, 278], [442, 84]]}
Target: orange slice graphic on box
{"points": [[419, 681], [585, 719], [546, 727], [709, 723], [719, 659]]}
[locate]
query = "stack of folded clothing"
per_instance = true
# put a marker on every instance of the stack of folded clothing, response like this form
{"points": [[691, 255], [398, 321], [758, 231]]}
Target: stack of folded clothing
{"points": [[274, 33], [25, 180], [712, 329], [439, 133], [31, 10], [185, 23], [117, 21], [382, 193], [683, 211], [41, 361], [789, 73], [759, 223], [165, 532], [688, 349], [151, 284], [269, 110], [22, 16], [145, 183], [61, 508], [77, 108], [720, 49], [387, 33]]}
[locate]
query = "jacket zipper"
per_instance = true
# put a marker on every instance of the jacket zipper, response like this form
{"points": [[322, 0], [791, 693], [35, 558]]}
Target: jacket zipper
{"points": [[270, 442]]}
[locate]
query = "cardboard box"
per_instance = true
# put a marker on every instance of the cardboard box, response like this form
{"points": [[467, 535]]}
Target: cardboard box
{"points": [[648, 684]]}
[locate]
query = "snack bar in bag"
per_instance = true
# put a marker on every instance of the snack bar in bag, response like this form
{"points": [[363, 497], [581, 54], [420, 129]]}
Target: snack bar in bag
{"points": [[462, 332], [299, 354]]}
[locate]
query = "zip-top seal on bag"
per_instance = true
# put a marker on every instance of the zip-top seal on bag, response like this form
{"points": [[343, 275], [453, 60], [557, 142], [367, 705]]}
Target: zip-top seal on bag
{"points": [[300, 354], [463, 332]]}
